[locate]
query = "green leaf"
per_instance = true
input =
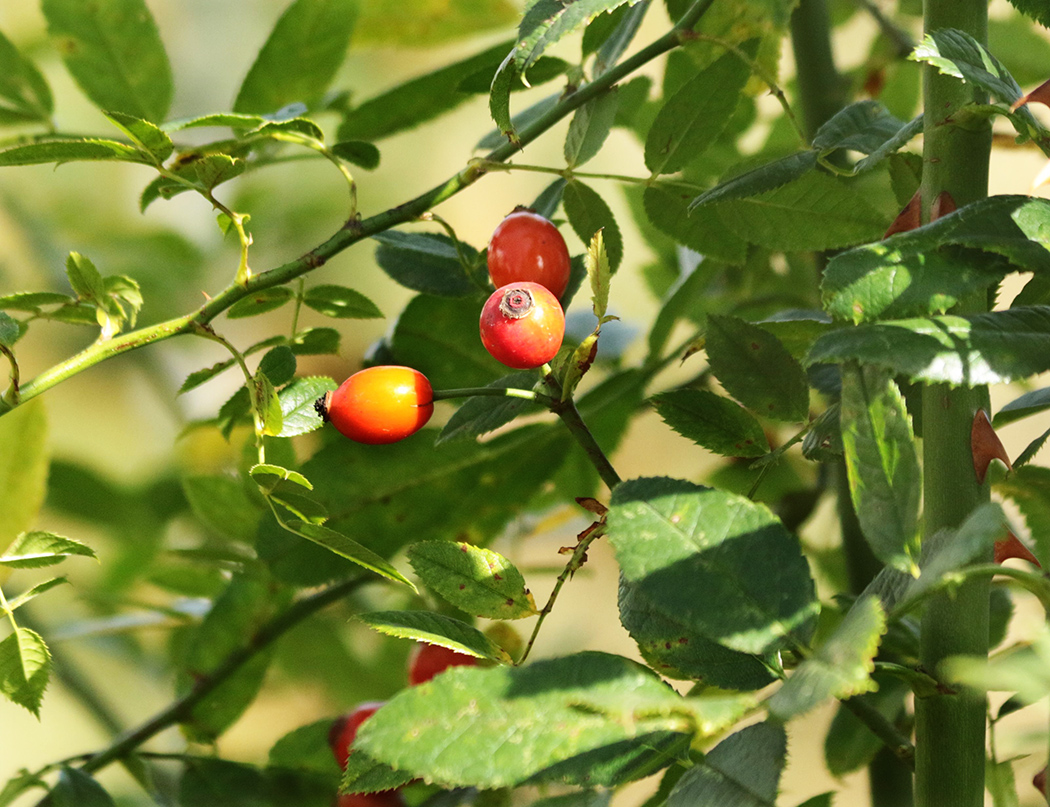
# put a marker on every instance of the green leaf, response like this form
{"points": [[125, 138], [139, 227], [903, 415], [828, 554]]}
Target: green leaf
{"points": [[505, 81], [547, 21], [341, 303], [444, 631], [872, 282], [212, 782], [673, 538], [1025, 670], [863, 126], [350, 549], [588, 213], [260, 302], [245, 605], [478, 581], [67, 150], [741, 771], [297, 405], [316, 342], [24, 461], [305, 749], [212, 170], [357, 152], [711, 421], [814, 212], [205, 374], [439, 337], [823, 441], [222, 504], [766, 177], [482, 414], [34, 550], [675, 650], [25, 667], [905, 134], [951, 550], [25, 96], [881, 463], [840, 668], [420, 99], [432, 22], [425, 262], [989, 348], [1034, 9], [147, 136], [31, 594], [75, 788], [32, 300], [300, 56], [693, 118], [1031, 403], [269, 477], [363, 774], [589, 127], [956, 53], [756, 369], [667, 208], [10, 330], [278, 365], [114, 52], [1020, 46], [227, 119], [462, 718]]}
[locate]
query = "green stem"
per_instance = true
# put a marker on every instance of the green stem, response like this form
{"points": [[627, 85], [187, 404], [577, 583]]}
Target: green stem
{"points": [[950, 729], [895, 742], [355, 230], [495, 392], [11, 396], [821, 89], [182, 708], [253, 391]]}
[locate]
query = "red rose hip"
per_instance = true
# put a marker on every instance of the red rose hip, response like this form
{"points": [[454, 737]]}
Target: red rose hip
{"points": [[522, 325], [427, 660], [527, 247], [344, 729], [379, 405]]}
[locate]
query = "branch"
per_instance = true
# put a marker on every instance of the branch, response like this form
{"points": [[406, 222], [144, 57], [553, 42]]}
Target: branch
{"points": [[182, 708], [355, 230]]}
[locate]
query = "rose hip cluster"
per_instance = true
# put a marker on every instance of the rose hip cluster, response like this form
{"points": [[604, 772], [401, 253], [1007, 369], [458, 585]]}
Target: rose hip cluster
{"points": [[522, 326], [425, 661]]}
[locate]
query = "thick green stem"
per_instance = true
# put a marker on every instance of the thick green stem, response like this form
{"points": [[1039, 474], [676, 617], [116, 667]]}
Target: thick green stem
{"points": [[821, 89], [950, 729]]}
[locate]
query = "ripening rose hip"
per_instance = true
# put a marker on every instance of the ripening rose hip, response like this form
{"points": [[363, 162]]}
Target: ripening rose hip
{"points": [[527, 247], [379, 405], [427, 660], [344, 729], [522, 325]]}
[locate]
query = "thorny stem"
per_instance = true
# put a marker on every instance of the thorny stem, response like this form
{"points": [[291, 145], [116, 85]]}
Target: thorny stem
{"points": [[355, 230], [182, 708], [579, 555]]}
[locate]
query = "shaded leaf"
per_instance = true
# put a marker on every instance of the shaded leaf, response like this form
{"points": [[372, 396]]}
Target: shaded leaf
{"points": [[482, 414], [756, 369], [711, 421], [673, 538], [114, 52], [425, 262], [840, 668], [260, 302], [357, 152], [986, 348], [341, 303], [588, 213], [75, 788], [24, 93], [766, 177], [667, 208], [69, 150], [691, 119], [300, 56], [881, 463], [462, 718], [350, 549], [589, 128], [741, 771], [863, 126]]}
